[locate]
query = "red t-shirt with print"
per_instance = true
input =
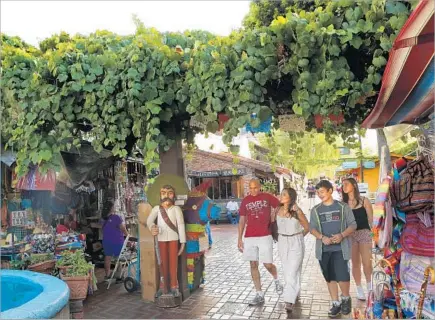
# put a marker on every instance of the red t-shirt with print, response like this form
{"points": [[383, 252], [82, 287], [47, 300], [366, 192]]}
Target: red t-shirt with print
{"points": [[257, 210]]}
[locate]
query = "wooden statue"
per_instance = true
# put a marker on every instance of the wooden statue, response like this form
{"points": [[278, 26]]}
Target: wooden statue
{"points": [[166, 224]]}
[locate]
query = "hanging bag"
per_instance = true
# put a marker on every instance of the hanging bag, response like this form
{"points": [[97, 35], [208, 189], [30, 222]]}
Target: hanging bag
{"points": [[415, 188], [418, 235]]}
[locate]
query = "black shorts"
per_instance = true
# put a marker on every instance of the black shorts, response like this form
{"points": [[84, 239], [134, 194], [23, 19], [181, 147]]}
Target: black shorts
{"points": [[334, 267]]}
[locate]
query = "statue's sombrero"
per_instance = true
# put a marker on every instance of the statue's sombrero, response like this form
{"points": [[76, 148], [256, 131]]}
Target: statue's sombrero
{"points": [[177, 182]]}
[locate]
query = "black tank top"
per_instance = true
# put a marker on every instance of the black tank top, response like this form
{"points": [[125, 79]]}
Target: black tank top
{"points": [[362, 221]]}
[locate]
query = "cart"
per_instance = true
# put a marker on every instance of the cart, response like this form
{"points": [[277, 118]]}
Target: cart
{"points": [[128, 263]]}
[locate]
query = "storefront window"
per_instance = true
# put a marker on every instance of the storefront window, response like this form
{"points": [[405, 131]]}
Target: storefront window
{"points": [[221, 188]]}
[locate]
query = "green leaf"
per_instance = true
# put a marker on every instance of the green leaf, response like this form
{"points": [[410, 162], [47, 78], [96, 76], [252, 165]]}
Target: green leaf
{"points": [[132, 73], [168, 96], [379, 61], [244, 96], [31, 117], [395, 7], [356, 42], [303, 63], [334, 50], [153, 108], [97, 70], [297, 109], [62, 77], [150, 93], [45, 155]]}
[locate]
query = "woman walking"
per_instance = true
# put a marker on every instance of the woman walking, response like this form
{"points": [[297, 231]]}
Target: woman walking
{"points": [[361, 238], [292, 227]]}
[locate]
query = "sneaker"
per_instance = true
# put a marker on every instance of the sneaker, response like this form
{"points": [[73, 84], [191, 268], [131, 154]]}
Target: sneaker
{"points": [[278, 287], [335, 310], [346, 305], [259, 299], [360, 294], [106, 278]]}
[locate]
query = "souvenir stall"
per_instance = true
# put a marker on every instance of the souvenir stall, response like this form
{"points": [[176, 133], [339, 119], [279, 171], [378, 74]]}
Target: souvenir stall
{"points": [[403, 283], [27, 239], [89, 180]]}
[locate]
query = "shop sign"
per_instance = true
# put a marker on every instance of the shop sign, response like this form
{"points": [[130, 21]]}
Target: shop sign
{"points": [[369, 164], [363, 188], [218, 173], [350, 165], [344, 151]]}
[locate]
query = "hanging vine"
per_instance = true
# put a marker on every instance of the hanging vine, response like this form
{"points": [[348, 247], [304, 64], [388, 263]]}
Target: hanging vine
{"points": [[138, 93]]}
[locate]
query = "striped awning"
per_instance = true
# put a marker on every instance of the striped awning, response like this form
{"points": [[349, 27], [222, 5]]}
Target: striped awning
{"points": [[408, 84]]}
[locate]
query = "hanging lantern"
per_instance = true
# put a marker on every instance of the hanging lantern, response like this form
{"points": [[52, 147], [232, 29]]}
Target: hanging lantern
{"points": [[291, 123]]}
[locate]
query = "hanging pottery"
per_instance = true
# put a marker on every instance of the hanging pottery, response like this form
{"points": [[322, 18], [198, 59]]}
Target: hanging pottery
{"points": [[223, 118], [336, 119], [265, 126], [291, 123]]}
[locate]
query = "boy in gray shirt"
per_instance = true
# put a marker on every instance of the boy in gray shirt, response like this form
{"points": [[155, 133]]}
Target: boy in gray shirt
{"points": [[332, 222]]}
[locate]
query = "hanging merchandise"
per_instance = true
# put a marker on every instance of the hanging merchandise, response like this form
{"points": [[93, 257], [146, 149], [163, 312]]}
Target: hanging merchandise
{"points": [[418, 234], [419, 305], [412, 268], [414, 190], [121, 178], [379, 208]]}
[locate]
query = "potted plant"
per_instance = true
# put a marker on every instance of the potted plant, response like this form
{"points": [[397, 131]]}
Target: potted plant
{"points": [[75, 271], [42, 263]]}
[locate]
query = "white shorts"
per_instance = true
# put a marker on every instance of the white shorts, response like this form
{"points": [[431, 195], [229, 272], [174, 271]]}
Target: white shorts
{"points": [[258, 249]]}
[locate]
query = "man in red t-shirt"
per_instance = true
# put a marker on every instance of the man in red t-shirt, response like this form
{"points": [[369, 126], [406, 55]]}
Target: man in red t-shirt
{"points": [[256, 214]]}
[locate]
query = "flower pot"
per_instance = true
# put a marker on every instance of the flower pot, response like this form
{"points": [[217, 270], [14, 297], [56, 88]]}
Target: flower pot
{"points": [[45, 267], [223, 118], [63, 269], [335, 118], [78, 286]]}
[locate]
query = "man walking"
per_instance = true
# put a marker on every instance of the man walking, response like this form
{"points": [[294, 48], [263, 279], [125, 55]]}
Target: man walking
{"points": [[257, 246], [332, 222]]}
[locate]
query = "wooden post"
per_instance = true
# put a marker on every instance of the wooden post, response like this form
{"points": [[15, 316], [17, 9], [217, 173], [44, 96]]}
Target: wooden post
{"points": [[148, 261]]}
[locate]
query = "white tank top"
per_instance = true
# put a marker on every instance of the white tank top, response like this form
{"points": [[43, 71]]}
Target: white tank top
{"points": [[289, 226]]}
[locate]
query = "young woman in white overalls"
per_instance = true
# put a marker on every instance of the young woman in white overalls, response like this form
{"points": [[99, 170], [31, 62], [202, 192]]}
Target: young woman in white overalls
{"points": [[292, 228]]}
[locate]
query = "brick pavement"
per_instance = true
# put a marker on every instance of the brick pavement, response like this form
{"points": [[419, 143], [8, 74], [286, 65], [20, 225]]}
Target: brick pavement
{"points": [[227, 290]]}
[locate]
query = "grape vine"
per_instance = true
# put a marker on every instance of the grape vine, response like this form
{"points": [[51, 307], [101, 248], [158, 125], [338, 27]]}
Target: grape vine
{"points": [[137, 93]]}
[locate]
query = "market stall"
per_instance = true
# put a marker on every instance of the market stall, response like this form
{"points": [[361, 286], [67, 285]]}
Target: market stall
{"points": [[403, 284]]}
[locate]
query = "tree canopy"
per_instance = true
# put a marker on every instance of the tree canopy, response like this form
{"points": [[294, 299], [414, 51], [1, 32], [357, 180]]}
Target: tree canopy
{"points": [[137, 93], [310, 154]]}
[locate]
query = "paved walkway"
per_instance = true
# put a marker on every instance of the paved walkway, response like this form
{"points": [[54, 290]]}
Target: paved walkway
{"points": [[227, 290]]}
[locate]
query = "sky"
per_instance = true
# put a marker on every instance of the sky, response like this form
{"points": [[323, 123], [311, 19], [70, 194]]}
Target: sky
{"points": [[34, 21]]}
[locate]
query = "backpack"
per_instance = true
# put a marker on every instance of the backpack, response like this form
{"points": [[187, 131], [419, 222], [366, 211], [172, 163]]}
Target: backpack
{"points": [[414, 191]]}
